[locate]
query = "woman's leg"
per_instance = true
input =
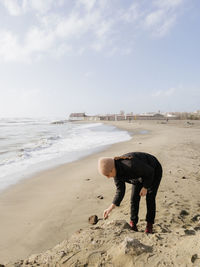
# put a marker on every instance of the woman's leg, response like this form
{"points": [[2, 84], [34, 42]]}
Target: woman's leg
{"points": [[151, 196], [135, 201]]}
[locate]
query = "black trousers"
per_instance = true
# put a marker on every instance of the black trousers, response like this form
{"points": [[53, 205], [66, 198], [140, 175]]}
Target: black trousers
{"points": [[150, 197]]}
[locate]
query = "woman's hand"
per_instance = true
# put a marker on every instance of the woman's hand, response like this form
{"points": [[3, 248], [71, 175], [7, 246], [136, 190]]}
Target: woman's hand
{"points": [[143, 192], [108, 211]]}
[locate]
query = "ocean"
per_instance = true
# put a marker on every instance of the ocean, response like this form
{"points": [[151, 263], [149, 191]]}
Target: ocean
{"points": [[29, 145]]}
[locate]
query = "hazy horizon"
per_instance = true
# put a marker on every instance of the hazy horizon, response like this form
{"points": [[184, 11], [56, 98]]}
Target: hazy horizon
{"points": [[98, 57]]}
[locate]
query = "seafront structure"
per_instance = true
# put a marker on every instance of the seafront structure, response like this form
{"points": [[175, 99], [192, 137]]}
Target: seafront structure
{"points": [[121, 117], [77, 116], [131, 116]]}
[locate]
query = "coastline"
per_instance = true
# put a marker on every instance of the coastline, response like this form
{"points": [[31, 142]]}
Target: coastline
{"points": [[41, 211], [54, 147]]}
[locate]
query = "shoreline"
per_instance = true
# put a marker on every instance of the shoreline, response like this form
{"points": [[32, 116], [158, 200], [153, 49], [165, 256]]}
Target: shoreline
{"points": [[40, 169], [22, 220], [41, 211], [37, 167]]}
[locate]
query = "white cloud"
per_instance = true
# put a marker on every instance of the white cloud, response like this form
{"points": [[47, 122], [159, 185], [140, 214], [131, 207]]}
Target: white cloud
{"points": [[58, 34], [161, 20], [168, 3], [170, 91], [166, 93], [38, 40], [9, 47], [61, 50], [39, 5], [157, 93], [88, 24], [88, 4], [12, 50], [16, 7], [132, 14], [74, 25], [12, 6], [154, 18], [166, 26], [103, 29]]}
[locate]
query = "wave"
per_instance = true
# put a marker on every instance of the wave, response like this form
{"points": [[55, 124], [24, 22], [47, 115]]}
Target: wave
{"points": [[50, 145]]}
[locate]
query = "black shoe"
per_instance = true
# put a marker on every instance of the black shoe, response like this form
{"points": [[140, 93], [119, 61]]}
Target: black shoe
{"points": [[149, 228], [133, 226]]}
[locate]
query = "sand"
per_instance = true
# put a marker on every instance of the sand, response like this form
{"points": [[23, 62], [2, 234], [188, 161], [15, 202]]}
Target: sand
{"points": [[42, 211]]}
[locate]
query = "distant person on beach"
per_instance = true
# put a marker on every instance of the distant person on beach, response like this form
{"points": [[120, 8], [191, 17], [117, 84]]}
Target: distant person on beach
{"points": [[144, 172]]}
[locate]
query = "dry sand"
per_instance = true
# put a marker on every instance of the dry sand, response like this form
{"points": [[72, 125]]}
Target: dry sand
{"points": [[40, 212]]}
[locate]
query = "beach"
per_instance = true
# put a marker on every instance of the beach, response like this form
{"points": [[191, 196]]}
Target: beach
{"points": [[40, 212]]}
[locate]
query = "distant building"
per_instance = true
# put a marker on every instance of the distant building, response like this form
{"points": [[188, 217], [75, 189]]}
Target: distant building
{"points": [[122, 116], [171, 116], [131, 116], [113, 117], [108, 117], [92, 118], [77, 116], [149, 116]]}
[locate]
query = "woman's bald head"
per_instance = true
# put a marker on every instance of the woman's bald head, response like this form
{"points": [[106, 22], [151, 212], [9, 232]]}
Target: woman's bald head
{"points": [[106, 166]]}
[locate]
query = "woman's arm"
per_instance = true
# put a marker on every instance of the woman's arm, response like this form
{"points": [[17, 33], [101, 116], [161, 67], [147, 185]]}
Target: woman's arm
{"points": [[120, 191], [119, 195]]}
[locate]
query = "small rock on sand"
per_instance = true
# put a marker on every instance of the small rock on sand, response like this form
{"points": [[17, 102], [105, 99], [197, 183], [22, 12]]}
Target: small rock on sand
{"points": [[196, 218], [194, 257], [134, 247], [184, 213], [93, 219], [190, 232], [100, 197]]}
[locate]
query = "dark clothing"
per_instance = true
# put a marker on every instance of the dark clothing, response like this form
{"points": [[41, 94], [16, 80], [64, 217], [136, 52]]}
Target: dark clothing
{"points": [[141, 170]]}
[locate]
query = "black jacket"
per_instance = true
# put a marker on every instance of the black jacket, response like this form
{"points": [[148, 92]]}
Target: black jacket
{"points": [[133, 168]]}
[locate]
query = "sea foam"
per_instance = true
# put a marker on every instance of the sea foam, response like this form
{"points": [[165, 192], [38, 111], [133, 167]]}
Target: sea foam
{"points": [[30, 145]]}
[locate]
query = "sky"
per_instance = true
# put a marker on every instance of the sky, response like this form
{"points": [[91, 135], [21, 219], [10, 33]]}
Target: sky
{"points": [[98, 57]]}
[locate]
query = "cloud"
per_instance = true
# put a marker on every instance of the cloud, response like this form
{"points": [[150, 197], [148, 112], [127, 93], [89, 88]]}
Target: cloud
{"points": [[17, 8], [154, 18], [12, 7], [9, 47], [58, 33], [88, 4], [167, 93], [12, 50], [170, 91], [132, 13], [161, 20], [168, 3], [106, 26]]}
